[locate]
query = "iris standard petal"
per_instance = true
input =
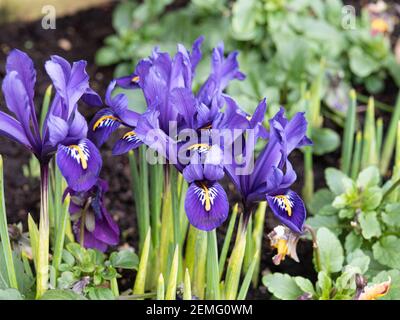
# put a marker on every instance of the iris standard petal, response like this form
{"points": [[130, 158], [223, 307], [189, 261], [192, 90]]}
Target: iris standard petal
{"points": [[195, 55], [57, 128], [103, 124], [206, 205], [70, 84], [289, 209], [183, 100], [78, 127], [80, 164], [129, 141], [20, 62]]}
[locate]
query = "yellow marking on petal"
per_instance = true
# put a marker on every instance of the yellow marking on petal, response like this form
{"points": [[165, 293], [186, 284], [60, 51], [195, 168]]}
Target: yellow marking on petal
{"points": [[129, 134], [81, 155], [199, 145], [248, 117], [207, 127], [135, 79], [207, 205], [287, 204], [103, 118], [282, 250]]}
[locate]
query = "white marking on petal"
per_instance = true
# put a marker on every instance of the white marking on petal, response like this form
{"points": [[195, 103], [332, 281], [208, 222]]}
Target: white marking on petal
{"points": [[206, 195], [285, 203]]}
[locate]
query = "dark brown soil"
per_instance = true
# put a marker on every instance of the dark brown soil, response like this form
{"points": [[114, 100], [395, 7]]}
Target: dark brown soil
{"points": [[85, 32]]}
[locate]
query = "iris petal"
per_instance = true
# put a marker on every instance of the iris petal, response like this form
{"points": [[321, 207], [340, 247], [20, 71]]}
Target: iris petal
{"points": [[206, 205], [289, 209], [103, 124], [128, 142], [80, 164]]}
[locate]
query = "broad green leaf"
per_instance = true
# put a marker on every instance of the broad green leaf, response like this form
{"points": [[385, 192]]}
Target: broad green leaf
{"points": [[391, 216], [371, 198], [10, 294], [330, 222], [352, 242], [368, 177], [244, 19], [394, 291], [325, 140], [61, 295], [330, 251], [337, 181], [346, 213], [359, 259], [324, 283], [107, 56], [361, 64], [100, 294], [346, 281], [369, 224], [122, 16], [282, 286], [321, 198], [126, 259], [305, 285], [386, 251]]}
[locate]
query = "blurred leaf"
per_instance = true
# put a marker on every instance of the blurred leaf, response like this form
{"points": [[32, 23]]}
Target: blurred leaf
{"points": [[359, 259], [100, 294], [391, 216], [122, 15], [386, 251], [305, 285], [368, 177], [337, 181], [361, 64], [330, 222], [330, 251], [352, 242], [324, 283], [10, 294], [61, 295], [369, 224], [126, 259], [321, 198], [325, 140], [371, 198], [282, 286], [244, 19], [107, 56]]}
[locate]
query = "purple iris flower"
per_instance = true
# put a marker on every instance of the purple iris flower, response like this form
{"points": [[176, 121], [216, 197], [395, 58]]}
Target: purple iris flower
{"points": [[273, 174], [166, 83], [99, 230], [64, 129]]}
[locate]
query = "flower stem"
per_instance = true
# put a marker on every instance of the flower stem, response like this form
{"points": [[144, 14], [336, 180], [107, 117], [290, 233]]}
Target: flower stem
{"points": [[390, 190], [83, 222], [315, 246], [42, 271]]}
